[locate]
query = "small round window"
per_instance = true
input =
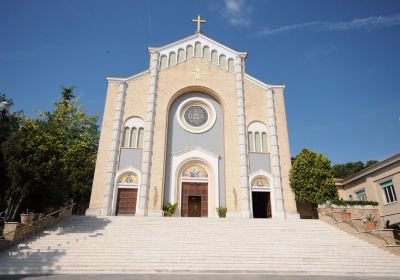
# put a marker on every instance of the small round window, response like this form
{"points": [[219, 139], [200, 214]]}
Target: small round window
{"points": [[196, 116]]}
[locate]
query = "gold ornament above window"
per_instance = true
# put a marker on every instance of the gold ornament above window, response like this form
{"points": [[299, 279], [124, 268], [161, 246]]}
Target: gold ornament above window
{"points": [[129, 178], [260, 182]]}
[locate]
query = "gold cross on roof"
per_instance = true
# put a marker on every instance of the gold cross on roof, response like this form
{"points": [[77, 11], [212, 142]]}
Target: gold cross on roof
{"points": [[199, 22]]}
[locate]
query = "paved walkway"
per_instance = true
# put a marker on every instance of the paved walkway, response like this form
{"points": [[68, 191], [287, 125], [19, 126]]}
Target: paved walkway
{"points": [[189, 276]]}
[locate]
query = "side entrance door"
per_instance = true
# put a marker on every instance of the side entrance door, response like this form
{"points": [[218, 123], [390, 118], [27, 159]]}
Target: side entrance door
{"points": [[126, 202]]}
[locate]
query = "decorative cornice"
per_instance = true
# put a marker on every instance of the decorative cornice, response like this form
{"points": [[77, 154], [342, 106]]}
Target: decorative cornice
{"points": [[262, 84], [194, 148], [127, 79]]}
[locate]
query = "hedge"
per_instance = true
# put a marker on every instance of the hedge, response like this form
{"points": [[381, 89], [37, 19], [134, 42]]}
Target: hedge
{"points": [[341, 202]]}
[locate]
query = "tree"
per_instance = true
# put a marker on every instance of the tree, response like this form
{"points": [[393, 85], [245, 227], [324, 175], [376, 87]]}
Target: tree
{"points": [[311, 178], [51, 159], [350, 168], [8, 123]]}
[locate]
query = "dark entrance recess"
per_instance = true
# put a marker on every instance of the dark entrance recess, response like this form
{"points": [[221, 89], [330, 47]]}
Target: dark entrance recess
{"points": [[261, 204], [194, 206]]}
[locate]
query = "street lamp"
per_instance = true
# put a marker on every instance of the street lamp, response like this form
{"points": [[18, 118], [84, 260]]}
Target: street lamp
{"points": [[4, 109]]}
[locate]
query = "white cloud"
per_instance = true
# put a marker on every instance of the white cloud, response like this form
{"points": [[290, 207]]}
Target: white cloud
{"points": [[237, 12], [367, 23]]}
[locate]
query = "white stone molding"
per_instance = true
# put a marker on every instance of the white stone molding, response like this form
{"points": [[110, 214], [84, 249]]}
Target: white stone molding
{"points": [[114, 150], [209, 161], [117, 175], [142, 208], [244, 182], [270, 189], [196, 101], [274, 152]]}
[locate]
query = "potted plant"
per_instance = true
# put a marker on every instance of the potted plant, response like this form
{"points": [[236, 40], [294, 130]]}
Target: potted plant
{"points": [[27, 217], [344, 215], [169, 209], [370, 222], [222, 212]]}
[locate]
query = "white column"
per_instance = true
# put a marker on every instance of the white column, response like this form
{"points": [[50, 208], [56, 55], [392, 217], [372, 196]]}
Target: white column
{"points": [[114, 150], [244, 176], [142, 209], [275, 162]]}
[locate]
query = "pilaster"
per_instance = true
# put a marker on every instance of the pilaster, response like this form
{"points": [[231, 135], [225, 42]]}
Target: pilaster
{"points": [[274, 152], [114, 150], [142, 209], [244, 176]]}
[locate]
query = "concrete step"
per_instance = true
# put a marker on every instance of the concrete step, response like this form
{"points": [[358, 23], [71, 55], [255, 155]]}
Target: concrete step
{"points": [[134, 245]]}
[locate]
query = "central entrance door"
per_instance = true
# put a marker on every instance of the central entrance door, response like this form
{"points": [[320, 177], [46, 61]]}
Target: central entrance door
{"points": [[261, 204], [194, 199], [194, 205]]}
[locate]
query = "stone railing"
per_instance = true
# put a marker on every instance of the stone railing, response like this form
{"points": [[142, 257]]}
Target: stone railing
{"points": [[15, 232], [355, 225]]}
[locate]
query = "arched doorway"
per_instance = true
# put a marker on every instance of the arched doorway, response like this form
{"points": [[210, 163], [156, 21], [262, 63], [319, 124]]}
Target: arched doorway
{"points": [[127, 192], [194, 191], [261, 197]]}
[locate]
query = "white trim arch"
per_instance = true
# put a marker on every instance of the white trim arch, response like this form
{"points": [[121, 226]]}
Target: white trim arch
{"points": [[206, 159], [118, 174], [270, 189], [129, 138], [257, 137]]}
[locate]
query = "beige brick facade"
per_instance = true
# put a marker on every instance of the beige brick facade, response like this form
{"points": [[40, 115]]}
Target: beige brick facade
{"points": [[195, 74]]}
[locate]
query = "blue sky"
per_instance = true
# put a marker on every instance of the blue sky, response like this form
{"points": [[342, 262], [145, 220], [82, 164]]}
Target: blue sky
{"points": [[339, 60]]}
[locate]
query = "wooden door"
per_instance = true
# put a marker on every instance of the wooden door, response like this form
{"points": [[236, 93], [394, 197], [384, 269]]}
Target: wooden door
{"points": [[194, 206], [126, 202], [269, 212]]}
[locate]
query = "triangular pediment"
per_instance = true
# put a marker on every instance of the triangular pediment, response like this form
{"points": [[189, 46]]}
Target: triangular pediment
{"points": [[198, 38], [197, 46]]}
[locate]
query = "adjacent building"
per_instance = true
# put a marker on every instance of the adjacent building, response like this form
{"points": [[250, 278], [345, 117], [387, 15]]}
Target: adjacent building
{"points": [[379, 182]]}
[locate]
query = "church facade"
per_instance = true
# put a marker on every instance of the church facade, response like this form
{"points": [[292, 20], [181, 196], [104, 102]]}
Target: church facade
{"points": [[194, 129]]}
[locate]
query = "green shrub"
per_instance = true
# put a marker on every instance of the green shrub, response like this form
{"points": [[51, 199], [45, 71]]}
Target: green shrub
{"points": [[341, 202], [169, 209], [222, 212]]}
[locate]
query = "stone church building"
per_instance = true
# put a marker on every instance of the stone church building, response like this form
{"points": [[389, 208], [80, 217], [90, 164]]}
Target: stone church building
{"points": [[193, 129]]}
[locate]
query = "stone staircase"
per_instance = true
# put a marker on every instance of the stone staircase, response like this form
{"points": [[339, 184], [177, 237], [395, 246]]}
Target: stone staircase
{"points": [[199, 245]]}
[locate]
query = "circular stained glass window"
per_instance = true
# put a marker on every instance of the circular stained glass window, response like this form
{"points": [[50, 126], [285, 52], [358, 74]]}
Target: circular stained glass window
{"points": [[196, 116]]}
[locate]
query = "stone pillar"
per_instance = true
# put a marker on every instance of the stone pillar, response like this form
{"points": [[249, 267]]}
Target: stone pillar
{"points": [[275, 162], [142, 209], [114, 150], [244, 176]]}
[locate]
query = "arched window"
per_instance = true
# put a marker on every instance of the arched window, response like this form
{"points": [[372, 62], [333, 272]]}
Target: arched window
{"points": [[257, 141], [214, 57], [140, 138], [181, 55], [206, 53], [264, 142], [189, 52], [257, 137], [231, 65], [172, 58], [133, 133], [164, 62], [125, 140], [132, 141], [251, 141], [197, 49]]}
